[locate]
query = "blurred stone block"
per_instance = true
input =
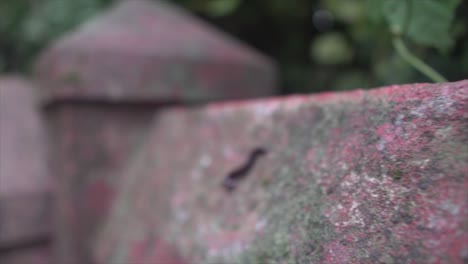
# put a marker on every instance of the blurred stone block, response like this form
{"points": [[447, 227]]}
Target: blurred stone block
{"points": [[25, 186], [101, 85], [23, 153]]}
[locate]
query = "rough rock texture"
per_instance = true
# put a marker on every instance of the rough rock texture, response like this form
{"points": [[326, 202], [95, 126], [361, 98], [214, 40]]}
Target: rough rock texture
{"points": [[374, 176], [151, 50], [25, 186], [101, 84]]}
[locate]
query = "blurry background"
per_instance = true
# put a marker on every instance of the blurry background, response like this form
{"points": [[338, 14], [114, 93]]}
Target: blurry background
{"points": [[319, 44]]}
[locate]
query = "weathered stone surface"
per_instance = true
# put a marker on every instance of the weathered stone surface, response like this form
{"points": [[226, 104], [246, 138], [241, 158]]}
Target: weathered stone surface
{"points": [[25, 186], [374, 176], [151, 50]]}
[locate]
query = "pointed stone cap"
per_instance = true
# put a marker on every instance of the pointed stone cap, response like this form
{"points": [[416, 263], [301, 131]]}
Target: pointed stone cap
{"points": [[146, 50]]}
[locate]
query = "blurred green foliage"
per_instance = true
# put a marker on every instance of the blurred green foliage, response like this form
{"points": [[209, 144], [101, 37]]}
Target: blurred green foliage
{"points": [[319, 44], [27, 26]]}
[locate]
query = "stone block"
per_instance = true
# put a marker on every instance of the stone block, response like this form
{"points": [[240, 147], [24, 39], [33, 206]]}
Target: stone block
{"points": [[375, 176], [25, 184], [23, 153], [101, 84]]}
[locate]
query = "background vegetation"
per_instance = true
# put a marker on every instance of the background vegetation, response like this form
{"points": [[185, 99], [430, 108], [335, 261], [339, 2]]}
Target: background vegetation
{"points": [[319, 44]]}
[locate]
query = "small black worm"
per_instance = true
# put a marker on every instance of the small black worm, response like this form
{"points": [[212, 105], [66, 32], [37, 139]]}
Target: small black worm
{"points": [[232, 179]]}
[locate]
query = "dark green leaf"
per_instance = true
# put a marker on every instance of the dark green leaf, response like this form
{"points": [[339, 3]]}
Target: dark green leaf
{"points": [[397, 13], [426, 22], [432, 21]]}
